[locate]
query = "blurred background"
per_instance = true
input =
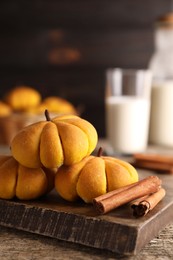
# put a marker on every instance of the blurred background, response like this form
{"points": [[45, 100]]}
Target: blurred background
{"points": [[64, 47]]}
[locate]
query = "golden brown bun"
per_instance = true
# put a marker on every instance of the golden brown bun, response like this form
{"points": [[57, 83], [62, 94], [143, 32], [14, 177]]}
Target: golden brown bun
{"points": [[5, 110], [22, 98], [62, 140], [66, 179], [22, 182], [55, 105], [92, 177], [23, 106]]}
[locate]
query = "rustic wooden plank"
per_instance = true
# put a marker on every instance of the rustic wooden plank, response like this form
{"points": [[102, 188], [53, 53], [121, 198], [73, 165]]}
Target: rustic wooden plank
{"points": [[117, 231], [67, 36], [17, 244], [81, 13], [102, 42], [59, 47]]}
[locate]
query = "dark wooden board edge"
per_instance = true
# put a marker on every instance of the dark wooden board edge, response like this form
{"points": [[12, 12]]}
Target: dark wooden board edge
{"points": [[116, 231], [85, 230], [88, 231]]}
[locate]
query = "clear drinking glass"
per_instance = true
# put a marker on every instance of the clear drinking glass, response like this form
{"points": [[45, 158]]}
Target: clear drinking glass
{"points": [[127, 104]]}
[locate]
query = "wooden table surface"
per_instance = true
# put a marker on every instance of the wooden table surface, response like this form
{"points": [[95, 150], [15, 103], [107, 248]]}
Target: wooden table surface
{"points": [[19, 245], [16, 244]]}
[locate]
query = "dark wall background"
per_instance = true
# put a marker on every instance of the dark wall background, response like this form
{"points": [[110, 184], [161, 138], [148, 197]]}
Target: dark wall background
{"points": [[64, 47]]}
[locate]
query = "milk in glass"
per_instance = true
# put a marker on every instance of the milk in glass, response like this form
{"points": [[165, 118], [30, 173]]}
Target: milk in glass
{"points": [[127, 121], [127, 105]]}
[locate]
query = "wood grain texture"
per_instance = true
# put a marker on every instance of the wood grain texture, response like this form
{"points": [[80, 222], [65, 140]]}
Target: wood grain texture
{"points": [[80, 13], [21, 245], [61, 47], [117, 231], [64, 47]]}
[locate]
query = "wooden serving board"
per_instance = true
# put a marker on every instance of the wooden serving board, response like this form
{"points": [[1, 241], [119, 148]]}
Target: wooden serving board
{"points": [[117, 231]]}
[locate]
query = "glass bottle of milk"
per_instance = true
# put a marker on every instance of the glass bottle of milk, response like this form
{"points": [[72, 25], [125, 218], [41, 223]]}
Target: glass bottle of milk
{"points": [[161, 65]]}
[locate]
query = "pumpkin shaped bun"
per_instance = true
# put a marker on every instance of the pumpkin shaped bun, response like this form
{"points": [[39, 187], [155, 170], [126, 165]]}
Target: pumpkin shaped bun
{"points": [[5, 110], [58, 105], [22, 98], [55, 105], [22, 182], [92, 177], [62, 140]]}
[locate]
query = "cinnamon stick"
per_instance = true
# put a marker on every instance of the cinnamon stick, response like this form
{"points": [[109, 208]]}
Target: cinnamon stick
{"points": [[158, 166], [114, 192], [157, 162], [161, 158], [143, 205], [114, 199]]}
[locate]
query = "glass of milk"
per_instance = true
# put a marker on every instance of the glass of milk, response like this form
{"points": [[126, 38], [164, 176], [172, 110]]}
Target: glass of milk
{"points": [[127, 104]]}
